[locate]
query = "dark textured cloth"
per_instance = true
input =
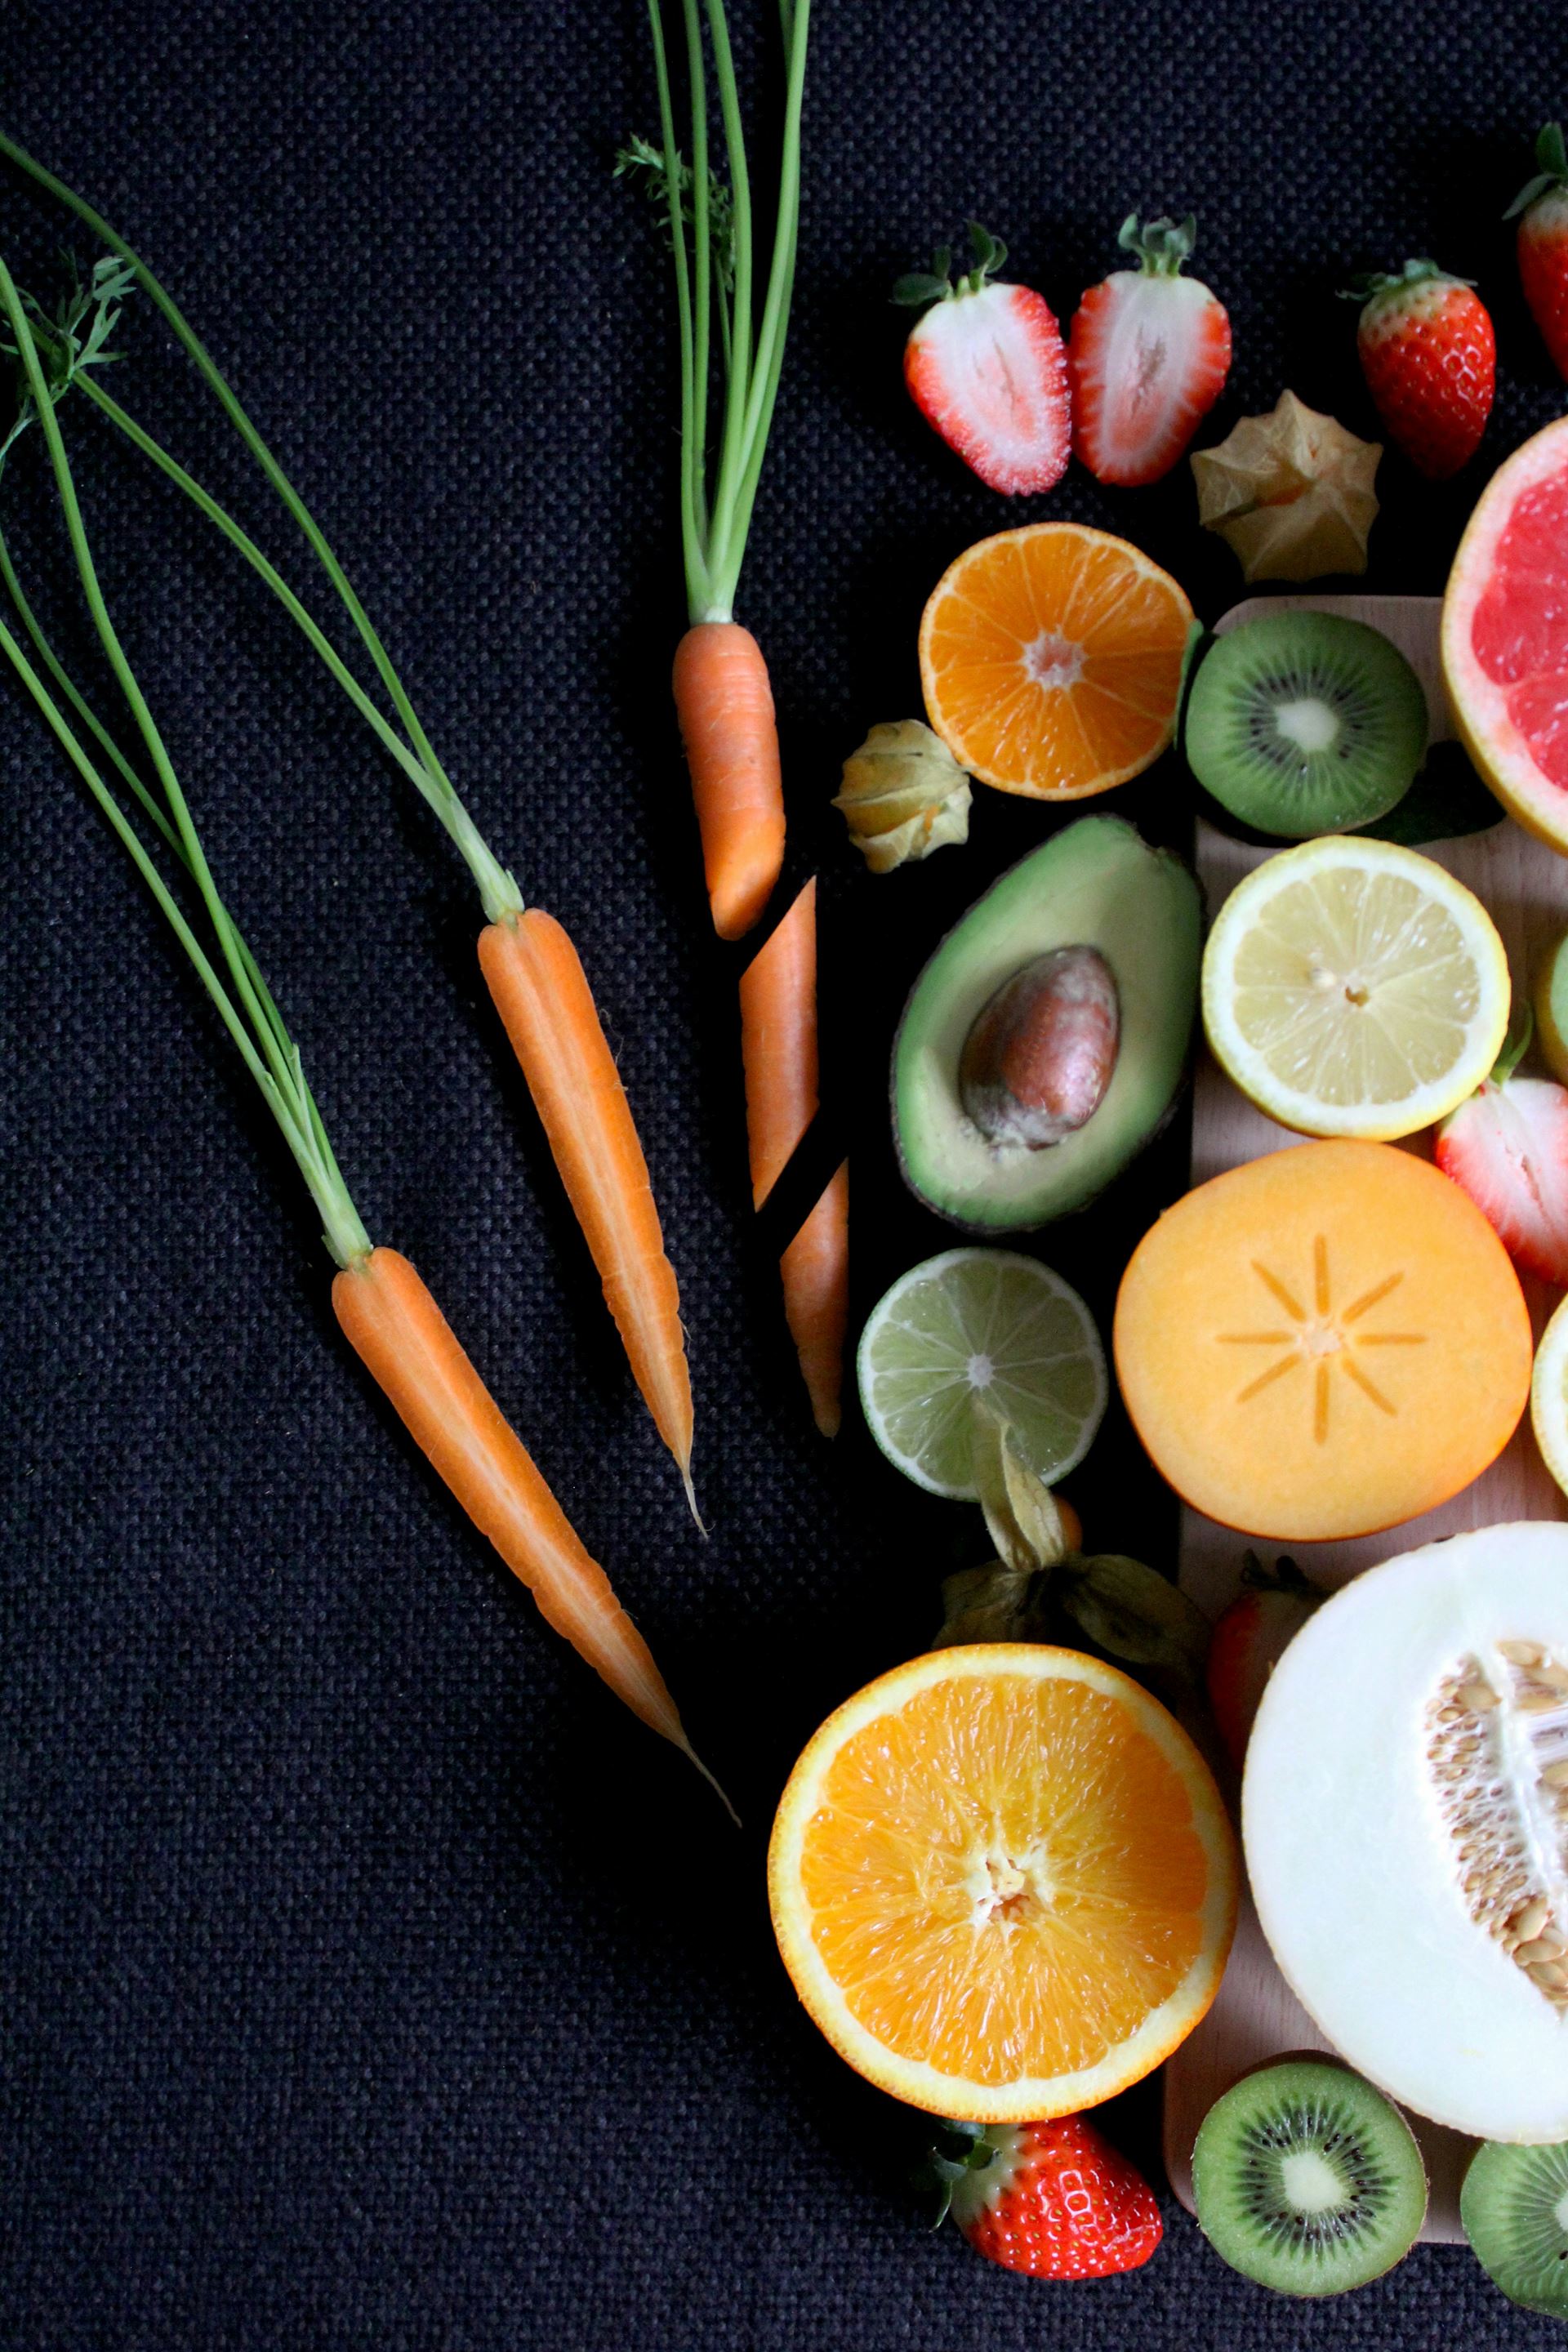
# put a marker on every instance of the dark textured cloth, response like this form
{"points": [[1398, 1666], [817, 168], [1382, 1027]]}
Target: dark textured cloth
{"points": [[371, 1979]]}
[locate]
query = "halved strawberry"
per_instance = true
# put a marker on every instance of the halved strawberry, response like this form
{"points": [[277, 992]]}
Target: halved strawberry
{"points": [[1540, 208], [1508, 1146], [1148, 357], [1051, 2199], [986, 367]]}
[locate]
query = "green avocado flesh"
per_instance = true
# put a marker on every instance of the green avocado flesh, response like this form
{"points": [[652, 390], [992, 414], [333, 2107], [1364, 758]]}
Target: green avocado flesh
{"points": [[1096, 884]]}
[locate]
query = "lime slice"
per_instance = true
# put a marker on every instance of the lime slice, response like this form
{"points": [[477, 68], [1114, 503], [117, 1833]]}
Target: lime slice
{"points": [[1353, 988], [980, 1322]]}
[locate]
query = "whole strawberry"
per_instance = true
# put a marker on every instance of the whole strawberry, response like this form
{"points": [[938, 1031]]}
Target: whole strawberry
{"points": [[1540, 208], [1248, 1643], [986, 367], [1148, 355], [1052, 2200], [1429, 357]]}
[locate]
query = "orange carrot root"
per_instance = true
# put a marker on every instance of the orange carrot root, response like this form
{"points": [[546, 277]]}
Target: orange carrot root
{"points": [[543, 995], [815, 1270], [408, 1347], [725, 706], [778, 1042], [779, 1055]]}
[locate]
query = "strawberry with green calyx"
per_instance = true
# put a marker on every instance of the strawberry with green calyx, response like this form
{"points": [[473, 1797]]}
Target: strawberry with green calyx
{"points": [[1249, 1640], [1148, 355], [985, 366], [1429, 357], [1540, 209], [1049, 2200]]}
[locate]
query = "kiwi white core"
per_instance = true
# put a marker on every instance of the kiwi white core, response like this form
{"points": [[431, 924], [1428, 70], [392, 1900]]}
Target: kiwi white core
{"points": [[1405, 1822], [1310, 2181], [1310, 724]]}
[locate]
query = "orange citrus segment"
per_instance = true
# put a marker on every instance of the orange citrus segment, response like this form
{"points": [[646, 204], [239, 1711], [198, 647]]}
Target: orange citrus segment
{"points": [[1003, 1882], [1051, 660]]}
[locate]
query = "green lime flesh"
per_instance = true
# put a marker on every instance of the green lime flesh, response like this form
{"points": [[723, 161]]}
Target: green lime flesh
{"points": [[1551, 1003], [1302, 723], [1514, 2206], [1097, 883], [1308, 2180], [977, 1323]]}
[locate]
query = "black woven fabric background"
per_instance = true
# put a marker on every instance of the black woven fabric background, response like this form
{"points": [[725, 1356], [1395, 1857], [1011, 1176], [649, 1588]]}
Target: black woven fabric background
{"points": [[370, 1979]]}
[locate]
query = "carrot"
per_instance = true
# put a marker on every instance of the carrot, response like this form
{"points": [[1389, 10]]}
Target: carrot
{"points": [[725, 706], [600, 1158], [815, 1270], [543, 995], [385, 1308], [778, 1042], [722, 697], [779, 1057]]}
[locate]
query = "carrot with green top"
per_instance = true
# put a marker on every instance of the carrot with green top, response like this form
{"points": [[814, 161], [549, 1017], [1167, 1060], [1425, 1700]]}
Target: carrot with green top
{"points": [[561, 1044], [722, 696], [384, 1307]]}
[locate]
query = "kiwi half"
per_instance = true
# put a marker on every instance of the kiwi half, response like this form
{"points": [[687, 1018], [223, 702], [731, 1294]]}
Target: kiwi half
{"points": [[1301, 723], [1514, 2206], [1307, 2180]]}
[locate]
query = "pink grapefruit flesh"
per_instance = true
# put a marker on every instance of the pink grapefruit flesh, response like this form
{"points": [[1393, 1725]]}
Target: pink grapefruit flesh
{"points": [[1505, 635]]}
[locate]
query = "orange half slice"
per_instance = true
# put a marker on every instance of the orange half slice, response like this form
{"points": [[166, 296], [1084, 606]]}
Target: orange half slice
{"points": [[1051, 660], [1003, 1882]]}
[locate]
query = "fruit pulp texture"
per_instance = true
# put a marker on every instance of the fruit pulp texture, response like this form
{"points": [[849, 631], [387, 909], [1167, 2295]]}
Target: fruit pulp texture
{"points": [[1520, 633], [1052, 660], [1005, 1878], [1323, 1342]]}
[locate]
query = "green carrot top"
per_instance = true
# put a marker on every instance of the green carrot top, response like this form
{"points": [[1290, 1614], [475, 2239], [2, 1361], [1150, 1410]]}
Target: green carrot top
{"points": [[711, 236]]}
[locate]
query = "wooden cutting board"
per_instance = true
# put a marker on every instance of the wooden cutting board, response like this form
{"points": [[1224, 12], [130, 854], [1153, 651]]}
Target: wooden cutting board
{"points": [[1524, 886]]}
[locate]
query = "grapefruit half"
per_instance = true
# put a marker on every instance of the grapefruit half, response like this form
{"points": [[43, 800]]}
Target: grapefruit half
{"points": [[1505, 635]]}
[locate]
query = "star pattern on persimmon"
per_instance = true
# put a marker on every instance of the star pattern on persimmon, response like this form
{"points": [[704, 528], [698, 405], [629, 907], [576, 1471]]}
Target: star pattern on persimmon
{"points": [[1320, 1338]]}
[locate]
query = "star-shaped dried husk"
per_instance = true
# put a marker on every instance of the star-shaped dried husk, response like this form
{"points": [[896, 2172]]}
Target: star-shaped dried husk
{"points": [[1292, 492], [903, 795]]}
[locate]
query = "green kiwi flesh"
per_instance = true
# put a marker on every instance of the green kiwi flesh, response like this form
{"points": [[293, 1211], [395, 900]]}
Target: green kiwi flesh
{"points": [[1307, 2180], [1301, 723], [1514, 2206]]}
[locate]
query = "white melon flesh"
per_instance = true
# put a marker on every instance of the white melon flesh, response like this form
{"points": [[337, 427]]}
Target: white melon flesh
{"points": [[1407, 1841]]}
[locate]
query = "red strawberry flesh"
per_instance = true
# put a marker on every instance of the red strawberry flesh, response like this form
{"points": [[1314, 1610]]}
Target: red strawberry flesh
{"points": [[987, 369], [1508, 1147], [1149, 355]]}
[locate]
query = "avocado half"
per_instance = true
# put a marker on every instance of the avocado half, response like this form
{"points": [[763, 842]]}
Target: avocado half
{"points": [[1096, 884]]}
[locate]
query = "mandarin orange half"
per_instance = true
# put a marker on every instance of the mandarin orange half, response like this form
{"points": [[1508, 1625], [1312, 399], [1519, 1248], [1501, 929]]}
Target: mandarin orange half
{"points": [[1051, 660], [1003, 1882]]}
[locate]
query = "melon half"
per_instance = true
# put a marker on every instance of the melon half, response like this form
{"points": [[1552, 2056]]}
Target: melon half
{"points": [[1404, 1813], [1505, 635]]}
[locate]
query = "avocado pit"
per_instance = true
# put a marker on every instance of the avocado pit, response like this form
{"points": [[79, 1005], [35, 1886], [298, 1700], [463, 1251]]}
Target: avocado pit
{"points": [[1040, 1053]]}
